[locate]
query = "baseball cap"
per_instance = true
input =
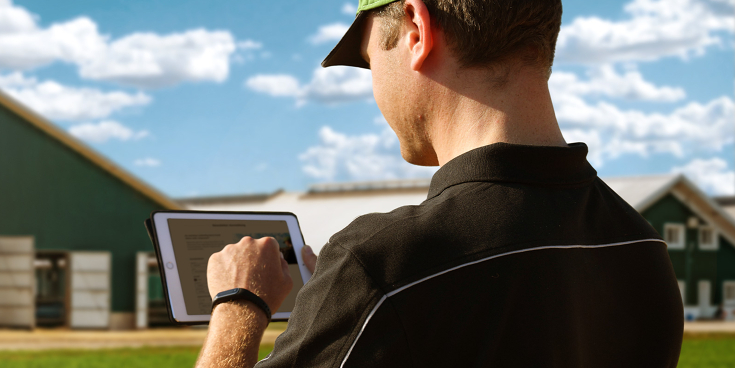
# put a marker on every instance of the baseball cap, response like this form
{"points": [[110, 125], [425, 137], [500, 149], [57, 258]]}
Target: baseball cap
{"points": [[347, 51]]}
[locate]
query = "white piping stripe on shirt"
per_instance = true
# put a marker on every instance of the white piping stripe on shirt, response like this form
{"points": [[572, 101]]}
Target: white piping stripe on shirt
{"points": [[394, 292], [375, 308], [264, 359]]}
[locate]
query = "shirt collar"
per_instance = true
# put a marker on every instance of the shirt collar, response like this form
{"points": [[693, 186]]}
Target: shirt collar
{"points": [[513, 163]]}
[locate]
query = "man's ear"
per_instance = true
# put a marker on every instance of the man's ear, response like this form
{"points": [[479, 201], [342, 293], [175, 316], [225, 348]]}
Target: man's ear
{"points": [[419, 38]]}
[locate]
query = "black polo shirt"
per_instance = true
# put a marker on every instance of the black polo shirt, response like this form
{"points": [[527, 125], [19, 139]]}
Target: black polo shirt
{"points": [[519, 257]]}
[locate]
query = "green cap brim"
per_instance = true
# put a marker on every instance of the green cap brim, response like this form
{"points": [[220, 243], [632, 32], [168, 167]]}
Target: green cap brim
{"points": [[347, 51]]}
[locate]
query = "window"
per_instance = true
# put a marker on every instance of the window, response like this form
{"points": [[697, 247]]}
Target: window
{"points": [[707, 238], [728, 292], [674, 235]]}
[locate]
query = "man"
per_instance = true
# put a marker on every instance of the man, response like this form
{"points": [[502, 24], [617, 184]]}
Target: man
{"points": [[519, 257]]}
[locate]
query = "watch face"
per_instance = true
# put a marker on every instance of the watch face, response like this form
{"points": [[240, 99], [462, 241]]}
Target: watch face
{"points": [[228, 293]]}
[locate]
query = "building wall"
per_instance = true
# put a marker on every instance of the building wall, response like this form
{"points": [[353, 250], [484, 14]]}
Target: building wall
{"points": [[690, 264], [725, 267], [66, 202]]}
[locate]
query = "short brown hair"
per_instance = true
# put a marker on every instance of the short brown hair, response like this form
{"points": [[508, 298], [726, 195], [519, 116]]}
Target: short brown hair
{"points": [[483, 32]]}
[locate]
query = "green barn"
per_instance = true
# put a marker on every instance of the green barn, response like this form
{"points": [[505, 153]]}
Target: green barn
{"points": [[700, 235], [71, 228]]}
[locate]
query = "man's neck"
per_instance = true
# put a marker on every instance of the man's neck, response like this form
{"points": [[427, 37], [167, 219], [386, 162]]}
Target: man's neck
{"points": [[469, 115]]}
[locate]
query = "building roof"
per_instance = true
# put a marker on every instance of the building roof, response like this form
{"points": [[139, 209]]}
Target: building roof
{"points": [[323, 209], [227, 199], [727, 203], [82, 149], [642, 191], [370, 186]]}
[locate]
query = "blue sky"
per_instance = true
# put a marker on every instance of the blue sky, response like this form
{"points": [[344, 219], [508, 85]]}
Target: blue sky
{"points": [[227, 97]]}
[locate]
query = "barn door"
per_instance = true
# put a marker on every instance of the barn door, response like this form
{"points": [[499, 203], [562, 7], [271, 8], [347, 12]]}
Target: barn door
{"points": [[90, 289], [17, 282]]}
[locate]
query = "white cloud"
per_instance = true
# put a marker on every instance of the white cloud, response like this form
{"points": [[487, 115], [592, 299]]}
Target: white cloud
{"points": [[249, 45], [58, 102], [712, 175], [248, 51], [151, 60], [612, 132], [15, 19], [329, 32], [328, 85], [73, 41], [104, 131], [277, 85], [339, 84], [654, 29], [605, 81], [361, 157], [147, 162], [138, 59], [349, 9]]}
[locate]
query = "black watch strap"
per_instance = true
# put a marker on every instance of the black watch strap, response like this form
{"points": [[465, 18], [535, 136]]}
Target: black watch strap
{"points": [[238, 294]]}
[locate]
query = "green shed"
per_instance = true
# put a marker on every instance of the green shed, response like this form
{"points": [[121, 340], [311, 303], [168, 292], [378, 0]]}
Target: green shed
{"points": [[82, 214], [700, 236]]}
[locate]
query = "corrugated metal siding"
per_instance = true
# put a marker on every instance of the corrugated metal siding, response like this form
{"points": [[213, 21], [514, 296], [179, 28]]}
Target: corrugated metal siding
{"points": [[51, 192]]}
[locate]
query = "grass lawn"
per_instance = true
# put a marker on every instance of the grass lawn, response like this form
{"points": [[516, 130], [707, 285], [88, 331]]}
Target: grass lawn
{"points": [[708, 351], [158, 357], [705, 351]]}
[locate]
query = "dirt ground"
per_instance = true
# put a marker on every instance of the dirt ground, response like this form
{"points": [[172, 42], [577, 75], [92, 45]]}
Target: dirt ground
{"points": [[42, 339], [709, 327]]}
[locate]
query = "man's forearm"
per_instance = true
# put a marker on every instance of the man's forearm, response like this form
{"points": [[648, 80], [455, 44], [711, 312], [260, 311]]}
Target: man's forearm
{"points": [[235, 331]]}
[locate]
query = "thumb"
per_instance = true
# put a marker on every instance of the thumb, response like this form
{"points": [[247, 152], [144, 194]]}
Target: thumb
{"points": [[309, 258]]}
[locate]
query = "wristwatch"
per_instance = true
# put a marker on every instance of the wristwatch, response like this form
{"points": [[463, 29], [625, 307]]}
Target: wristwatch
{"points": [[237, 294]]}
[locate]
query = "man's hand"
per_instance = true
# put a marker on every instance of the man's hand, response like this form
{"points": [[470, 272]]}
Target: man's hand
{"points": [[309, 258], [237, 327], [253, 264]]}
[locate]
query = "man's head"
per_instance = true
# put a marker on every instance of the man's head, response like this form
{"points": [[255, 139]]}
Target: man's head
{"points": [[432, 58], [479, 33]]}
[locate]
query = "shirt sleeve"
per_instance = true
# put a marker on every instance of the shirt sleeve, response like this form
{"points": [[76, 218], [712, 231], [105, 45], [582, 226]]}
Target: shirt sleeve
{"points": [[330, 311]]}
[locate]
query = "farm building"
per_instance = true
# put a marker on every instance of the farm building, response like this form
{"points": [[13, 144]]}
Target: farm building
{"points": [[700, 234], [71, 229]]}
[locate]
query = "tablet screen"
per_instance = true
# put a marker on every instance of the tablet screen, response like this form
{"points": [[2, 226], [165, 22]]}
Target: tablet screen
{"points": [[194, 240]]}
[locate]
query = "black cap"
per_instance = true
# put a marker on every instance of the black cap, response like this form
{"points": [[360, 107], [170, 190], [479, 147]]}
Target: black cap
{"points": [[347, 51]]}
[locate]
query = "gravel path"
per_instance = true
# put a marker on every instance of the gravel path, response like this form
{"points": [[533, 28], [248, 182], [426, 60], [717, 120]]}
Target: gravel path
{"points": [[710, 327]]}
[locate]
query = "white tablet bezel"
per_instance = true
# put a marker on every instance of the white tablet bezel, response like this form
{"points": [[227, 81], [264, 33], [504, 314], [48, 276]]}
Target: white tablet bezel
{"points": [[166, 254]]}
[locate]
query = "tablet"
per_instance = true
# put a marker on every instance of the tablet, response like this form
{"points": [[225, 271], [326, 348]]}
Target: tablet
{"points": [[184, 240]]}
